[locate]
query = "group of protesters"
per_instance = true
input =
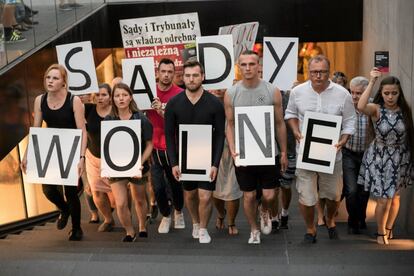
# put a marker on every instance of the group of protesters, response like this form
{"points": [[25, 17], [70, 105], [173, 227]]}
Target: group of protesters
{"points": [[374, 154]]}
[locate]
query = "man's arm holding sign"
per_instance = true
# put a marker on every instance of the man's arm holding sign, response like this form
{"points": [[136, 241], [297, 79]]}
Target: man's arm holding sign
{"points": [[228, 108], [348, 122], [292, 117], [280, 128]]}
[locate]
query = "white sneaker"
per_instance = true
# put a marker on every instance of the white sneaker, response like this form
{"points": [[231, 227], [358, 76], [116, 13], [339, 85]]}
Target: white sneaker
{"points": [[179, 222], [196, 230], [254, 237], [204, 237], [265, 222], [165, 225]]}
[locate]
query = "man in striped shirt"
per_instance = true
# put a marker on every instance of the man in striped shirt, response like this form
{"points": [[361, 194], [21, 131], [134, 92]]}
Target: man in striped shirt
{"points": [[352, 153]]}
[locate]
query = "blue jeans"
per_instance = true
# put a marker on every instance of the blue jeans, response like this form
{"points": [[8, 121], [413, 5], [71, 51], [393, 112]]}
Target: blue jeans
{"points": [[164, 183], [356, 197]]}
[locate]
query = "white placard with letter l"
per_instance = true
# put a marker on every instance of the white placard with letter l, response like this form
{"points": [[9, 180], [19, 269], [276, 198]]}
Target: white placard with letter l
{"points": [[77, 58], [195, 148], [216, 54], [254, 135], [139, 74], [280, 61], [121, 148], [317, 151], [53, 156]]}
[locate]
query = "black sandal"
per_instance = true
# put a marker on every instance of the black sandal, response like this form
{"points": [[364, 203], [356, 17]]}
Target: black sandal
{"points": [[390, 235], [220, 221], [384, 239], [233, 229]]}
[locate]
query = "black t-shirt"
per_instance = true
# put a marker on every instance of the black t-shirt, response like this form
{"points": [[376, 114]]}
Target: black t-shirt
{"points": [[63, 117], [93, 126], [146, 133], [207, 111]]}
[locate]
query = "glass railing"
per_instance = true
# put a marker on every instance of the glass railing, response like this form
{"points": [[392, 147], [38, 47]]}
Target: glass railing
{"points": [[26, 24]]}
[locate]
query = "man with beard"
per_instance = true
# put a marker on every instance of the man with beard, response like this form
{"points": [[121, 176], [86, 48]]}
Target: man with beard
{"points": [[161, 173], [195, 106]]}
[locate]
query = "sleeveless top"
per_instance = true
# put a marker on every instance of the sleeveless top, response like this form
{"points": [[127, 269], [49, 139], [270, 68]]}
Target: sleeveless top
{"points": [[261, 95], [63, 117]]}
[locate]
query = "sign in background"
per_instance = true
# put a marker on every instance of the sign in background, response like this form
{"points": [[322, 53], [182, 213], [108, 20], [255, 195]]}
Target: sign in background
{"points": [[195, 147], [139, 74], [382, 61], [280, 61], [316, 150], [121, 148], [169, 36], [77, 58], [254, 135], [53, 156], [244, 36], [215, 53]]}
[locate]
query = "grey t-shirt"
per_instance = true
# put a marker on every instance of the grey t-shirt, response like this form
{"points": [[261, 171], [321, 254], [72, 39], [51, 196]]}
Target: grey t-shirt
{"points": [[261, 95]]}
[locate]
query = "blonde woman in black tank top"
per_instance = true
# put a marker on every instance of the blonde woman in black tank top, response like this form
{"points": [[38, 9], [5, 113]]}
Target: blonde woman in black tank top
{"points": [[60, 110]]}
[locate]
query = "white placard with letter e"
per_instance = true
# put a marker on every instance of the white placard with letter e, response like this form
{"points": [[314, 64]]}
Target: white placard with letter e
{"points": [[216, 54], [53, 156], [77, 58], [121, 148], [254, 135], [139, 74], [195, 148], [317, 151]]}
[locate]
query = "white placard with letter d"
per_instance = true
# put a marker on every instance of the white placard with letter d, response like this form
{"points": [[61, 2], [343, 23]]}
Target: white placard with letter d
{"points": [[317, 151], [254, 135], [53, 156], [121, 148], [195, 146]]}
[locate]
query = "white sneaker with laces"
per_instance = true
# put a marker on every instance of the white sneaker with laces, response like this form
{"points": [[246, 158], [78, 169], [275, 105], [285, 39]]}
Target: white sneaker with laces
{"points": [[165, 225], [265, 222], [204, 237], [179, 222], [196, 230], [254, 237]]}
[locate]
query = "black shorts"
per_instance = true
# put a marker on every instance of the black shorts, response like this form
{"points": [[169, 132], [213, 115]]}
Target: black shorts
{"points": [[204, 185], [135, 181], [251, 178]]}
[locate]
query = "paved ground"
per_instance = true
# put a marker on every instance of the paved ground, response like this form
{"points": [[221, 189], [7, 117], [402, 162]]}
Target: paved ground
{"points": [[46, 251]]}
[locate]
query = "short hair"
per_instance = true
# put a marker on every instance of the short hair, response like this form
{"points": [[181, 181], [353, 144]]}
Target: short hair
{"points": [[319, 58], [166, 61], [359, 81], [58, 67], [250, 53], [339, 75], [193, 63], [106, 87]]}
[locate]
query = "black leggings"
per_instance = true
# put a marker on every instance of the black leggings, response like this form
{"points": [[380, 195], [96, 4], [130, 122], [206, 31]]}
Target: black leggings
{"points": [[55, 195]]}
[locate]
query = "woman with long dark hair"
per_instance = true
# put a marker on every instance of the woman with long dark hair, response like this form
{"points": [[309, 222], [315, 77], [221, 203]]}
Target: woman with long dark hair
{"points": [[59, 109], [125, 108], [387, 164], [101, 190]]}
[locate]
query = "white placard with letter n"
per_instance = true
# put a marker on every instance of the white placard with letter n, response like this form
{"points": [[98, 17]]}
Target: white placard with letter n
{"points": [[121, 148], [77, 58], [216, 54], [53, 156], [139, 74], [195, 148], [254, 135], [317, 151]]}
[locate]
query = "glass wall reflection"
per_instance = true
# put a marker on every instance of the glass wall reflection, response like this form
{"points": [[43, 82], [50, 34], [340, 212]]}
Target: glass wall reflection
{"points": [[25, 24]]}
